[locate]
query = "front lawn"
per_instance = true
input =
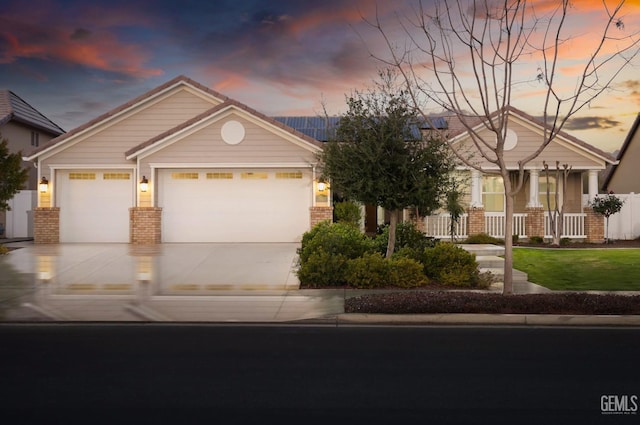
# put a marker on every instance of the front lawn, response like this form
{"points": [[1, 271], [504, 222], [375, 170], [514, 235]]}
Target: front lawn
{"points": [[581, 269]]}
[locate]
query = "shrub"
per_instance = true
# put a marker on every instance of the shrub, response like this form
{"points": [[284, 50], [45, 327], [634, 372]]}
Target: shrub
{"points": [[325, 250], [483, 238], [407, 236], [515, 239], [347, 212], [451, 265], [323, 269], [3, 250], [406, 272], [536, 239], [369, 271], [565, 241]]}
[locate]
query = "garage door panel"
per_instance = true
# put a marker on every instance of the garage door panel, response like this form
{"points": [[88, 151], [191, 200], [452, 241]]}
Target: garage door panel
{"points": [[94, 205], [248, 206]]}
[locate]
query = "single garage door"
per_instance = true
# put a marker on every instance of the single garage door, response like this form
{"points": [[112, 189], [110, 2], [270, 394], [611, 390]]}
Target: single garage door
{"points": [[94, 205], [234, 205]]}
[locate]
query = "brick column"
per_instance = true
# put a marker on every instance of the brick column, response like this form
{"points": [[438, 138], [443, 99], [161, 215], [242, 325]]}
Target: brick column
{"points": [[534, 225], [593, 226], [319, 214], [476, 221], [145, 225], [46, 225]]}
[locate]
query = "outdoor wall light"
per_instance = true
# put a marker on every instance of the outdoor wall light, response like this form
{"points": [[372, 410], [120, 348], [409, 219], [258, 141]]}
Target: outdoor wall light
{"points": [[322, 186], [144, 184], [44, 185]]}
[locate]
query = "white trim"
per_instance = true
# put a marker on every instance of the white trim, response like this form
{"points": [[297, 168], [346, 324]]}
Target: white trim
{"points": [[153, 165], [211, 119]]}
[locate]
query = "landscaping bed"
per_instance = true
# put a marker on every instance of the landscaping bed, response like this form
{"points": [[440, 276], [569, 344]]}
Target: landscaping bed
{"points": [[440, 302]]}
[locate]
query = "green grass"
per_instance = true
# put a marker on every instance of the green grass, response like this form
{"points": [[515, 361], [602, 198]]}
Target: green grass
{"points": [[581, 269]]}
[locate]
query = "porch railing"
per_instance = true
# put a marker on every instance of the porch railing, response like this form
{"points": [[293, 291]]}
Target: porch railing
{"points": [[572, 225], [494, 224], [439, 226]]}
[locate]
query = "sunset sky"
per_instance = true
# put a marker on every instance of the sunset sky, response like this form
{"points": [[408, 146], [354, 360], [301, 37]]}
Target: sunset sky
{"points": [[75, 59]]}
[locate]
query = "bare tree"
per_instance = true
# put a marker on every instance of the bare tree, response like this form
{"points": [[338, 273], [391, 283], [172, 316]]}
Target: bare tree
{"points": [[555, 209], [498, 40]]}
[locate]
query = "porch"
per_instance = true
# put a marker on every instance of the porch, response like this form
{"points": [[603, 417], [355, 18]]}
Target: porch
{"points": [[493, 224]]}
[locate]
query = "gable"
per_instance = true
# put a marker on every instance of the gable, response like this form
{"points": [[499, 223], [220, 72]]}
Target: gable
{"points": [[528, 137], [107, 141], [205, 142]]}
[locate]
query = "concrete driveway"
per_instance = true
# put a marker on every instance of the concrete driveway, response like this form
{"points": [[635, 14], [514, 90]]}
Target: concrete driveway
{"points": [[167, 282]]}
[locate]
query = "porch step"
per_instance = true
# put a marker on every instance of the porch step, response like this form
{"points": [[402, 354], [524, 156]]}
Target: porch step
{"points": [[483, 249]]}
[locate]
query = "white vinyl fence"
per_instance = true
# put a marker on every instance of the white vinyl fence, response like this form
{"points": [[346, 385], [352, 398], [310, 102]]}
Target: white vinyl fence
{"points": [[626, 224], [20, 218]]}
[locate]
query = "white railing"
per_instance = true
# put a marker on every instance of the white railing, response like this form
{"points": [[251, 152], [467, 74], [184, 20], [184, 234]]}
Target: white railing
{"points": [[494, 224], [572, 225], [439, 226]]}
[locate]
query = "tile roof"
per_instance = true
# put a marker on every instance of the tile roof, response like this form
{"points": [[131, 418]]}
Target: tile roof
{"points": [[14, 108]]}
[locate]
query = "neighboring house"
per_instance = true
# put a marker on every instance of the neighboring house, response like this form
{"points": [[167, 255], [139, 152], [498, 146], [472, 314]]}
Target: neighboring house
{"points": [[181, 163], [25, 129], [622, 176]]}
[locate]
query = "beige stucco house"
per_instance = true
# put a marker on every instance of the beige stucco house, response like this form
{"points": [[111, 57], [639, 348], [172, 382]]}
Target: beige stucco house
{"points": [[181, 163]]}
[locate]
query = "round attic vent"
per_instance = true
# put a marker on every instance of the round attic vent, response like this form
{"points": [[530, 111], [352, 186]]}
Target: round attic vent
{"points": [[232, 132], [511, 140]]}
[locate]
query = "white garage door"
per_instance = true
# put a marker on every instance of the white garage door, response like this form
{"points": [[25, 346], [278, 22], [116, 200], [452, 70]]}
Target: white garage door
{"points": [[234, 205], [94, 205]]}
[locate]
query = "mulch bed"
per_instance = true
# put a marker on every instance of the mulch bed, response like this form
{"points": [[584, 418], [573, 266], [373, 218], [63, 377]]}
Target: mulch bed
{"points": [[434, 302]]}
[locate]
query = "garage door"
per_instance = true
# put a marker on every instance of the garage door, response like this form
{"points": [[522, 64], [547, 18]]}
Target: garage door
{"points": [[234, 205], [94, 205]]}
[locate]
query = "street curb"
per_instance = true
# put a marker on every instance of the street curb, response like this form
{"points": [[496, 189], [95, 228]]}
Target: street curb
{"points": [[488, 319]]}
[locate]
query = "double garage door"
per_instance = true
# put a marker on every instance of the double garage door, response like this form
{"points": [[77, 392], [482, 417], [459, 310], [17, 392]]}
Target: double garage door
{"points": [[197, 205], [232, 205]]}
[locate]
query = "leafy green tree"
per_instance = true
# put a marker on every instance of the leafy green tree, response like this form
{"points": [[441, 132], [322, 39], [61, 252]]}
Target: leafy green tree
{"points": [[607, 206], [12, 175], [379, 157]]}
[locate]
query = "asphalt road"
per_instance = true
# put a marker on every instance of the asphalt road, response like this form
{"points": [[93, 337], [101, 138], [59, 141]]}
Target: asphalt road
{"points": [[318, 374]]}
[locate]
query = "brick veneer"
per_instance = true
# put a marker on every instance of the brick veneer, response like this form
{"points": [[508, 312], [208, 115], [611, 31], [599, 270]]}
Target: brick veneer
{"points": [[476, 221], [534, 225], [145, 225], [46, 225], [593, 226], [320, 214]]}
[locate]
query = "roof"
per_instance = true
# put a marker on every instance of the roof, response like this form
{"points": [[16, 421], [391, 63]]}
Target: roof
{"points": [[456, 129], [14, 108], [623, 149], [318, 128]]}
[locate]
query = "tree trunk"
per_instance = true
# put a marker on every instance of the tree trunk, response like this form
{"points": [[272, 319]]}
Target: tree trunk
{"points": [[508, 245], [393, 224]]}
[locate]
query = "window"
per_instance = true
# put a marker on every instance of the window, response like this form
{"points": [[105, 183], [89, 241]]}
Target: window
{"points": [[542, 194], [184, 176], [493, 194], [289, 175], [254, 176], [82, 176], [220, 176], [115, 176], [35, 139]]}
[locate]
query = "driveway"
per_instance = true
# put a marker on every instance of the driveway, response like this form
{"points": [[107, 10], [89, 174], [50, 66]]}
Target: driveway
{"points": [[167, 282]]}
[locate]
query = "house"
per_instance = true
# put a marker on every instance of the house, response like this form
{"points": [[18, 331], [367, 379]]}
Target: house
{"points": [[180, 163], [622, 177], [25, 129], [485, 191]]}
